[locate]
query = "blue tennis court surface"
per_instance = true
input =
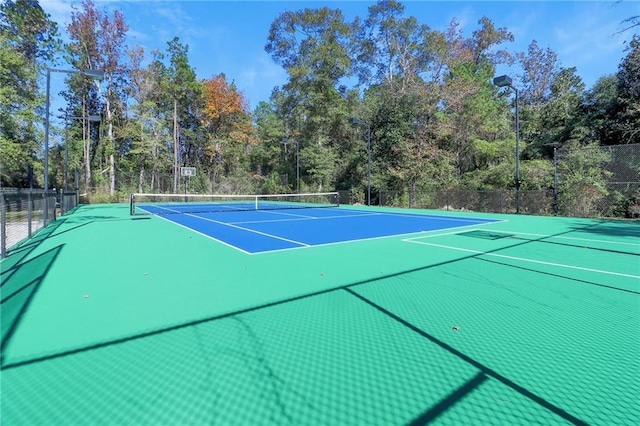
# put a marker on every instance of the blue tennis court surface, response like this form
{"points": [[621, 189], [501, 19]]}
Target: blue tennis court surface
{"points": [[261, 231]]}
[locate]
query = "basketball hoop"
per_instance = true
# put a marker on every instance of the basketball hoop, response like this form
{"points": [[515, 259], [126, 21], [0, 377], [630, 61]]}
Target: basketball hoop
{"points": [[188, 171]]}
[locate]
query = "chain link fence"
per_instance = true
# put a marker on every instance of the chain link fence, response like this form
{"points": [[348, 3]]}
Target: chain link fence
{"points": [[162, 183], [23, 212], [601, 181], [593, 181], [491, 201]]}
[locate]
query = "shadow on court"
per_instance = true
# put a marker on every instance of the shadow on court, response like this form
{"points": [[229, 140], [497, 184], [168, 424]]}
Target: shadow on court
{"points": [[612, 228], [199, 348], [533, 346], [20, 283], [316, 360]]}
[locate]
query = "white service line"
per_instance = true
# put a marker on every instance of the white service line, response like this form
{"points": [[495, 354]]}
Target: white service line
{"points": [[164, 208], [305, 218], [337, 243], [248, 230], [524, 259], [284, 214]]}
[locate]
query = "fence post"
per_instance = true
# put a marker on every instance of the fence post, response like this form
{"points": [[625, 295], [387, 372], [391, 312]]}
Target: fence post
{"points": [[555, 180], [3, 227], [29, 212]]}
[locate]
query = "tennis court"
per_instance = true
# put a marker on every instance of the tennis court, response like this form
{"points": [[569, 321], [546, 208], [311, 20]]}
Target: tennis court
{"points": [[251, 226], [327, 315]]}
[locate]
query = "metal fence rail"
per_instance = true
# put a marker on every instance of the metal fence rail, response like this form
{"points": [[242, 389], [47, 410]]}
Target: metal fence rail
{"points": [[22, 213]]}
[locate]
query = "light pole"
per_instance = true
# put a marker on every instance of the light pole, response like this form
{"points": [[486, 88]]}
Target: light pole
{"points": [[288, 141], [506, 81], [95, 75], [358, 122], [91, 119]]}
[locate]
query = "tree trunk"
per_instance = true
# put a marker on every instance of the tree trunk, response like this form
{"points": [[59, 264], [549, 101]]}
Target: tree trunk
{"points": [[141, 180], [155, 174], [175, 147], [112, 146], [412, 193], [86, 137]]}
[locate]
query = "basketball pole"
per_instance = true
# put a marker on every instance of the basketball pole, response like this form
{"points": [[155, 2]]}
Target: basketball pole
{"points": [[187, 172]]}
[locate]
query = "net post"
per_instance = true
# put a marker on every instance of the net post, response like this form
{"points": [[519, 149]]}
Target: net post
{"points": [[131, 205]]}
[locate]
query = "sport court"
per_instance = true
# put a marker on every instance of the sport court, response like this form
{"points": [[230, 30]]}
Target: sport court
{"points": [[265, 224], [374, 316]]}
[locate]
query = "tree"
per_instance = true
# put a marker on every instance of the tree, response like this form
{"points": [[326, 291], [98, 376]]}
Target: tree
{"points": [[540, 68], [267, 156], [146, 129], [562, 114], [98, 42], [28, 41], [583, 178], [390, 49], [225, 116], [407, 155], [629, 94], [467, 107], [601, 105], [185, 93], [312, 45]]}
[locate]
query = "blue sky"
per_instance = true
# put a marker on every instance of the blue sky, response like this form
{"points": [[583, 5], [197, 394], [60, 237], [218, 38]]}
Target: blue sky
{"points": [[229, 36]]}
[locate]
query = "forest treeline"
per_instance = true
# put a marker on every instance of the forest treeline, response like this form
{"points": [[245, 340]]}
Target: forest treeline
{"points": [[425, 100]]}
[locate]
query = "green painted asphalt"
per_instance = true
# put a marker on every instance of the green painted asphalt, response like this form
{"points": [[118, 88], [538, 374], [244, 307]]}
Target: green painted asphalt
{"points": [[113, 319]]}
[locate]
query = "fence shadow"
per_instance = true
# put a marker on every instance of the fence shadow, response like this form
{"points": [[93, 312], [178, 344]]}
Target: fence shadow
{"points": [[18, 289]]}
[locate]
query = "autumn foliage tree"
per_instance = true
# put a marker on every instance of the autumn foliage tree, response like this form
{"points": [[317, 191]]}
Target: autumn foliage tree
{"points": [[436, 120], [227, 120]]}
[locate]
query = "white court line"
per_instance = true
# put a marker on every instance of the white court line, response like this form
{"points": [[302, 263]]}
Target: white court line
{"points": [[474, 221], [232, 226], [285, 214], [375, 238], [304, 245], [305, 218], [164, 208], [457, 231], [569, 238], [524, 259], [515, 233], [248, 230], [203, 234]]}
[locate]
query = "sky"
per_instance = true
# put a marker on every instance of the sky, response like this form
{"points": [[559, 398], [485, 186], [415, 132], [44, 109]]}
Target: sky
{"points": [[229, 36]]}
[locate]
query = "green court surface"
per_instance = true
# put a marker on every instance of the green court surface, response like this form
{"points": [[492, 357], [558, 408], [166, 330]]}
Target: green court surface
{"points": [[115, 319]]}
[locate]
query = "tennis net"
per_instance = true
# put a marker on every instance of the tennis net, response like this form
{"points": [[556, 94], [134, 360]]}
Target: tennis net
{"points": [[159, 204]]}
